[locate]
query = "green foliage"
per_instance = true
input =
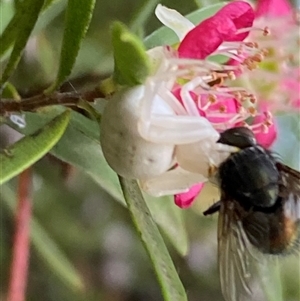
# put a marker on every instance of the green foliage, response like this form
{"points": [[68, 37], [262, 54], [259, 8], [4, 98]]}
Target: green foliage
{"points": [[47, 249], [20, 30], [78, 17], [8, 35], [132, 65], [171, 285], [140, 18], [30, 149], [10, 91], [170, 219], [50, 9]]}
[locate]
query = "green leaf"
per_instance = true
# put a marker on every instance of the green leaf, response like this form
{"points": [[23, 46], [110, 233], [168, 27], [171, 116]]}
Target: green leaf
{"points": [[82, 132], [31, 148], [81, 148], [50, 10], [47, 249], [22, 27], [166, 36], [169, 218], [48, 3], [132, 65], [9, 34], [140, 17], [7, 11], [171, 286], [78, 17], [10, 91]]}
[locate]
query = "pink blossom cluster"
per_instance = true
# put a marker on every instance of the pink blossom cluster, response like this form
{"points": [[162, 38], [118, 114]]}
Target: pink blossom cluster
{"points": [[237, 32]]}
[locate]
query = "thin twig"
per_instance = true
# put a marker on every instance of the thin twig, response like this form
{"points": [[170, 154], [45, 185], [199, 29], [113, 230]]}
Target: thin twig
{"points": [[31, 104], [20, 252]]}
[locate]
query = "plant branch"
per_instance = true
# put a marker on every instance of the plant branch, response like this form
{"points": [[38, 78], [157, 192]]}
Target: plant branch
{"points": [[31, 104], [21, 243]]}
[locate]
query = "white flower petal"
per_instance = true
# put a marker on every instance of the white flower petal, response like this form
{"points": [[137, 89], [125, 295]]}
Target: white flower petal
{"points": [[174, 20]]}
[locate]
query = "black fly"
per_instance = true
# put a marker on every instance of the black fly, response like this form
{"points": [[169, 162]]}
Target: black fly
{"points": [[259, 212]]}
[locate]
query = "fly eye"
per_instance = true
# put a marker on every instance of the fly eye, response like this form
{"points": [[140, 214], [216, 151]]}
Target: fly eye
{"points": [[240, 137]]}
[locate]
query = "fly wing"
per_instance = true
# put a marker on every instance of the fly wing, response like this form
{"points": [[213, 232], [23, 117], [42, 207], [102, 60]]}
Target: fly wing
{"points": [[290, 182], [289, 190], [239, 262], [245, 273]]}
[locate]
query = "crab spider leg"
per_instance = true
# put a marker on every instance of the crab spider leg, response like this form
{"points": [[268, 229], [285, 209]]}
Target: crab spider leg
{"points": [[171, 182], [174, 135], [201, 156], [150, 90], [187, 99], [180, 123], [172, 101]]}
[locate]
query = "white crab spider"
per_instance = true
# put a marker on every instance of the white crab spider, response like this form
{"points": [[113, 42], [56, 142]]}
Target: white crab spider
{"points": [[149, 135], [145, 131]]}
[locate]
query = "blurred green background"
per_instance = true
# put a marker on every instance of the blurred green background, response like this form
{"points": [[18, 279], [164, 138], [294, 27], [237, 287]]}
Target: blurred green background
{"points": [[89, 228]]}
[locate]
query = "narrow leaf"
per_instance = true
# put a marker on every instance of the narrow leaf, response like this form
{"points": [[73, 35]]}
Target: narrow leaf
{"points": [[132, 65], [88, 157], [170, 220], [47, 249], [56, 260], [140, 17], [171, 286], [7, 9], [10, 91], [31, 148], [30, 12], [51, 9], [10, 32], [78, 17]]}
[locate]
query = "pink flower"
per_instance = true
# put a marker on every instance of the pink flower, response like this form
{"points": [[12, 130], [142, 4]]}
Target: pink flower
{"points": [[264, 127], [225, 106], [212, 32], [222, 93], [274, 8], [277, 80], [185, 199]]}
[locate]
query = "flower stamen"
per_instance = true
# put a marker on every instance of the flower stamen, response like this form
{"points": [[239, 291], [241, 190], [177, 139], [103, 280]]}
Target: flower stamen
{"points": [[266, 30]]}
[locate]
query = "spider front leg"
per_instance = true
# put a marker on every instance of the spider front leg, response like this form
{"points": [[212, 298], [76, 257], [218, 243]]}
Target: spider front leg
{"points": [[203, 156], [160, 121], [171, 182]]}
